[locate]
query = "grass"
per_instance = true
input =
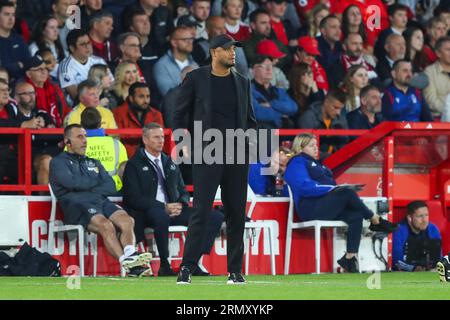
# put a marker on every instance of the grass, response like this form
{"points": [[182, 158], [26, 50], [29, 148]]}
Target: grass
{"points": [[423, 285]]}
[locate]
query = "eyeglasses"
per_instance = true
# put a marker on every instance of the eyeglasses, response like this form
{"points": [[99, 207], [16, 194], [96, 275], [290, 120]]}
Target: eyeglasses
{"points": [[28, 93]]}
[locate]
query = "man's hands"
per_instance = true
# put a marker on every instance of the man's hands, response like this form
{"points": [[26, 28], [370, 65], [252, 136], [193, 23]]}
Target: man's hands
{"points": [[174, 209], [35, 123]]}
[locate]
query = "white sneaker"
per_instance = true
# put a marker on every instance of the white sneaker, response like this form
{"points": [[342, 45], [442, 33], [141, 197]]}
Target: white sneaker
{"points": [[136, 260]]}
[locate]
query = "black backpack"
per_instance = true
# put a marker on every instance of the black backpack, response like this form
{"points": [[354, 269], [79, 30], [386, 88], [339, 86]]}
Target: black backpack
{"points": [[29, 262]]}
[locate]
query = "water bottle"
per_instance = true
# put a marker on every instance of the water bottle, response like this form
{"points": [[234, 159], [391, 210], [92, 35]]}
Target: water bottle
{"points": [[279, 185]]}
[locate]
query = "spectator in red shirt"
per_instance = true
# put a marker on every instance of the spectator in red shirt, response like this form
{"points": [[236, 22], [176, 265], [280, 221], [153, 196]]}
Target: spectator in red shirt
{"points": [[232, 11], [305, 7], [352, 22], [100, 29], [435, 29], [281, 28]]}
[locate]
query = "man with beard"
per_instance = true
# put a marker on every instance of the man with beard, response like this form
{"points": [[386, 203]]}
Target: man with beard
{"points": [[402, 102], [216, 96], [135, 113]]}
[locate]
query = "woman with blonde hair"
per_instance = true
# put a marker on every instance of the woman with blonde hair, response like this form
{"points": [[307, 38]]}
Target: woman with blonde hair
{"points": [[314, 17], [126, 74], [356, 78], [317, 197], [101, 74]]}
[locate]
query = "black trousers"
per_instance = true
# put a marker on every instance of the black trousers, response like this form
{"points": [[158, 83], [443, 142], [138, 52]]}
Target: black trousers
{"points": [[232, 179], [158, 219]]}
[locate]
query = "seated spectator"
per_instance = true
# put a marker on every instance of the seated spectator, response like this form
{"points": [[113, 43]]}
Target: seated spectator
{"points": [[13, 51], [443, 12], [329, 43], [272, 105], [126, 74], [352, 55], [49, 96], [402, 102], [317, 197], [438, 75], [266, 182], [61, 14], [356, 78], [262, 29], [28, 14], [307, 52], [314, 17], [189, 22], [396, 50], [50, 63], [136, 112], [160, 18], [108, 150], [368, 115], [75, 68], [82, 192], [200, 10], [232, 12], [155, 194], [101, 74], [327, 115], [281, 27], [416, 245], [168, 69], [46, 36], [435, 30], [352, 22], [100, 29], [398, 18], [88, 9], [89, 96], [414, 39], [303, 89]]}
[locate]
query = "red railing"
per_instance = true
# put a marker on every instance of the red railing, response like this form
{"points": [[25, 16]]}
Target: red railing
{"points": [[24, 149]]}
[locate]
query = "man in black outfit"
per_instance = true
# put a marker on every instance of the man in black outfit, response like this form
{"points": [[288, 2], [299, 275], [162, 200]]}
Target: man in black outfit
{"points": [[217, 97]]}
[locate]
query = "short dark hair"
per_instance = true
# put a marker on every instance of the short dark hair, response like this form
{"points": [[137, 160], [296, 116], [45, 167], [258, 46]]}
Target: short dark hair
{"points": [[440, 10], [99, 16], [414, 205], [134, 12], [324, 21], [69, 128], [137, 85], [73, 36], [398, 62], [91, 119], [6, 3], [392, 9], [260, 59], [440, 42], [254, 15], [367, 89], [336, 94]]}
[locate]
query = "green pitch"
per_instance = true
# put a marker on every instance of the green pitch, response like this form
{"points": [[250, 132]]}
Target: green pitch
{"points": [[326, 286]]}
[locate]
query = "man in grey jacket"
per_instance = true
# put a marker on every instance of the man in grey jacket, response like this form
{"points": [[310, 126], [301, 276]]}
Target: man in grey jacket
{"points": [[82, 187]]}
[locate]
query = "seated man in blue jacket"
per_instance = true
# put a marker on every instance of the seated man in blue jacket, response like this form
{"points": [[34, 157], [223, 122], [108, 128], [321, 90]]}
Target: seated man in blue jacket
{"points": [[82, 187], [155, 194], [272, 105], [402, 102], [414, 235]]}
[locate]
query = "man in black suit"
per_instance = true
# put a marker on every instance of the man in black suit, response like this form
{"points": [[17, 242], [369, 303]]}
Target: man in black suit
{"points": [[217, 97], [155, 195]]}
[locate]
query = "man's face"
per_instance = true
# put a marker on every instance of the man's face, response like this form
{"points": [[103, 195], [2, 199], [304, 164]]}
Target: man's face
{"points": [[90, 97], [332, 30], [4, 94], [105, 27], [200, 10], [154, 140], [7, 18], [444, 53], [372, 101], [141, 25], [437, 30], [131, 49], [262, 25], [333, 107], [277, 10], [396, 48], [216, 27], [445, 16], [354, 45], [78, 141], [38, 74], [61, 8], [94, 5], [183, 41], [83, 47], [263, 72], [233, 9], [403, 74], [226, 57], [399, 19], [419, 219], [25, 96], [141, 98]]}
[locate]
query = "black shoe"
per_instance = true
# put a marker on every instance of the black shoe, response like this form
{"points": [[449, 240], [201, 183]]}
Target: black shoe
{"points": [[443, 268], [136, 260], [236, 278], [165, 271], [184, 276], [383, 226], [349, 265], [139, 271], [200, 272]]}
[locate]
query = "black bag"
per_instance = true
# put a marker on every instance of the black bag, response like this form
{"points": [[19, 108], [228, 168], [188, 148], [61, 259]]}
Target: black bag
{"points": [[30, 262]]}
